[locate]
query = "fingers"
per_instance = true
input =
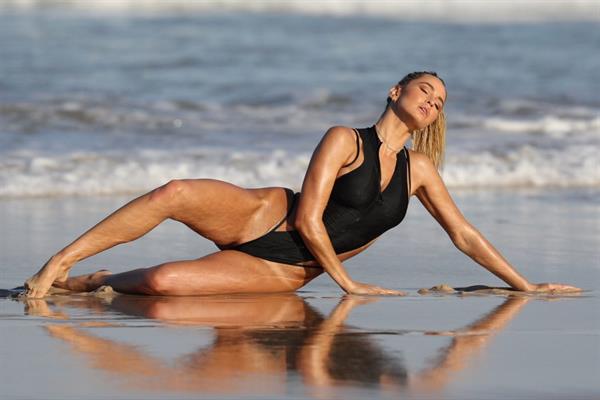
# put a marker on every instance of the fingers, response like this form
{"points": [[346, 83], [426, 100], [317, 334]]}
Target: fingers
{"points": [[390, 292], [565, 288], [378, 291], [556, 288]]}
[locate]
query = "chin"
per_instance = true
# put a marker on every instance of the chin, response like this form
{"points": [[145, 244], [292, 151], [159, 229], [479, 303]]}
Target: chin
{"points": [[413, 119], [417, 121]]}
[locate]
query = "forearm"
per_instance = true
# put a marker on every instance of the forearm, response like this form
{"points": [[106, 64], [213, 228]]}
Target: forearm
{"points": [[473, 244], [317, 240]]}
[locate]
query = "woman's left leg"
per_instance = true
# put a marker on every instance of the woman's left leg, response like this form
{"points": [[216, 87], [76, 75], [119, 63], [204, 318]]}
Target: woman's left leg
{"points": [[219, 211], [223, 272]]}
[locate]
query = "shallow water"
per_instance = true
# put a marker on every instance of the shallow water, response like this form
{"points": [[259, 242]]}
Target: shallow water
{"points": [[304, 345], [113, 98], [315, 343]]}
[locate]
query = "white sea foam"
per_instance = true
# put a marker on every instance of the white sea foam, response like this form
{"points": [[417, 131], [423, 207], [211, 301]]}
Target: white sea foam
{"points": [[526, 166], [82, 147], [550, 125], [436, 10], [86, 173], [31, 173]]}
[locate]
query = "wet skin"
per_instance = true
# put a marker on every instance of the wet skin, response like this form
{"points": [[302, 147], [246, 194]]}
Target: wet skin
{"points": [[228, 215]]}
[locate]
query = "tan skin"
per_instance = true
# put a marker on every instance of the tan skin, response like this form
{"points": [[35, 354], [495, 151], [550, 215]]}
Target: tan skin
{"points": [[229, 215]]}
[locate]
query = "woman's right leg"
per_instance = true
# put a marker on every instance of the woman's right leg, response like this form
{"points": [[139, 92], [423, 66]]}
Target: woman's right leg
{"points": [[219, 211], [223, 272]]}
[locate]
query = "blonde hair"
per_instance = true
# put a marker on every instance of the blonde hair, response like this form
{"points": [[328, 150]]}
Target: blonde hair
{"points": [[431, 140]]}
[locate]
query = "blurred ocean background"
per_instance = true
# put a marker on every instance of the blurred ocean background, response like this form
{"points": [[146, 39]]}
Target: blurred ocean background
{"points": [[116, 97], [109, 98]]}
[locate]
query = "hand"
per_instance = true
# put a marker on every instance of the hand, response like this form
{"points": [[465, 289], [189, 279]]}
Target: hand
{"points": [[553, 288], [366, 289]]}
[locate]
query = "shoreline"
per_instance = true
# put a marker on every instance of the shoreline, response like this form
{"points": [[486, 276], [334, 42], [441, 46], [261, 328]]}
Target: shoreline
{"points": [[549, 235]]}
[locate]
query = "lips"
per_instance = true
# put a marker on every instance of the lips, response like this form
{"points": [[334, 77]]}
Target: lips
{"points": [[424, 111]]}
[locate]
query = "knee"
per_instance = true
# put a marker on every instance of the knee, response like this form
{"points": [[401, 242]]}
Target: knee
{"points": [[169, 193], [158, 281]]}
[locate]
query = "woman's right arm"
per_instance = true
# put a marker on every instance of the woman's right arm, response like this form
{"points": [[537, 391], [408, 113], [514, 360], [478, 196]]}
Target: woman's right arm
{"points": [[337, 148]]}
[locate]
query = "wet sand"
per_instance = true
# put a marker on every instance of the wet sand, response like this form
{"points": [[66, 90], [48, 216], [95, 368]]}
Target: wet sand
{"points": [[316, 343]]}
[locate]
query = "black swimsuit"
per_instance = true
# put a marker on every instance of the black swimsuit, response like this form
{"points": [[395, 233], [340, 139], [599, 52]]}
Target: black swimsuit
{"points": [[357, 211]]}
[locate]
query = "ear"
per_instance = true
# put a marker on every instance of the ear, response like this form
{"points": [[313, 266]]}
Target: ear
{"points": [[394, 92]]}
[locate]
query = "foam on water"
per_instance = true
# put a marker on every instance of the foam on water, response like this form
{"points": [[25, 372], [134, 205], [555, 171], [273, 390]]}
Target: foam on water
{"points": [[109, 172], [85, 173], [526, 166], [95, 146]]}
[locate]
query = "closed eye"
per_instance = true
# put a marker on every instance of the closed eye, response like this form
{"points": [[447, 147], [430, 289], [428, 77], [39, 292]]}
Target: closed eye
{"points": [[427, 88]]}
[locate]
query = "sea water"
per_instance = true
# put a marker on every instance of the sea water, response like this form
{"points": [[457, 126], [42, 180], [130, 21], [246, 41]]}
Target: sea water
{"points": [[107, 97], [113, 98]]}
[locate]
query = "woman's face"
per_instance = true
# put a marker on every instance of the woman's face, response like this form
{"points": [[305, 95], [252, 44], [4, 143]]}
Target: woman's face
{"points": [[419, 102]]}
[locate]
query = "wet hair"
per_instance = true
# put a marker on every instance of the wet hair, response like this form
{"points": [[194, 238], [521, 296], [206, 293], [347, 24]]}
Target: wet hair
{"points": [[418, 74], [430, 140]]}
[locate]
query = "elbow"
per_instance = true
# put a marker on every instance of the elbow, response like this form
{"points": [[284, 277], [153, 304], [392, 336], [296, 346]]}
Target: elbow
{"points": [[307, 226], [463, 237]]}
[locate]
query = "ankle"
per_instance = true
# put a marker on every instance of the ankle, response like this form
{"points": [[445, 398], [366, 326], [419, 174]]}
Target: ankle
{"points": [[64, 259]]}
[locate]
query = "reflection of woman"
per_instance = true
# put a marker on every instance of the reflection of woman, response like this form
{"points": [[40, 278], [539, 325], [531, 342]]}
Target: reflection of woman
{"points": [[270, 336], [357, 186], [466, 343], [340, 356]]}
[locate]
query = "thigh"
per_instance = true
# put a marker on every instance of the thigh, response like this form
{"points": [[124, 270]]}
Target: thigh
{"points": [[228, 214], [228, 271]]}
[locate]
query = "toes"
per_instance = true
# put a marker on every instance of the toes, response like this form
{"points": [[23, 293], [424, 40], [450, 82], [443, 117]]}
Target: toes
{"points": [[34, 293]]}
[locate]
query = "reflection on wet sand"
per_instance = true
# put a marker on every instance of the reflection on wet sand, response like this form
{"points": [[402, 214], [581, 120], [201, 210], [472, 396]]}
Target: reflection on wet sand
{"points": [[260, 342], [466, 344]]}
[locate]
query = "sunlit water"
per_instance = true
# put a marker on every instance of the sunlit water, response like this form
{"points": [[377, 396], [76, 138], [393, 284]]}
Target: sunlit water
{"points": [[315, 343], [110, 103], [93, 103]]}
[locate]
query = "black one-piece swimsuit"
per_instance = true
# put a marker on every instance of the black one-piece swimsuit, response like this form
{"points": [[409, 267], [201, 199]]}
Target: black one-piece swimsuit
{"points": [[357, 211]]}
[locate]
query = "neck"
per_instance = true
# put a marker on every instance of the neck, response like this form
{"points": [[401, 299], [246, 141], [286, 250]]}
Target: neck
{"points": [[392, 130]]}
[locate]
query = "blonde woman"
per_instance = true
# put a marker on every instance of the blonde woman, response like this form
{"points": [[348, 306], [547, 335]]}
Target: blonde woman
{"points": [[357, 186]]}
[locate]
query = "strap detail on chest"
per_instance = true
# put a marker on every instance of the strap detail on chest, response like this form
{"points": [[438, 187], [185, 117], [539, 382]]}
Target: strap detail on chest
{"points": [[357, 149]]}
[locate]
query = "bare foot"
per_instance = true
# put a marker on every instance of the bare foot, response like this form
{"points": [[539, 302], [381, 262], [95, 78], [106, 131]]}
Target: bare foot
{"points": [[54, 271], [84, 283]]}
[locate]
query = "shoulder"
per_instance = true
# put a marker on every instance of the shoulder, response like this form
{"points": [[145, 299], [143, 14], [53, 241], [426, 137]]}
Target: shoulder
{"points": [[420, 161], [336, 148], [341, 135], [422, 170], [339, 141]]}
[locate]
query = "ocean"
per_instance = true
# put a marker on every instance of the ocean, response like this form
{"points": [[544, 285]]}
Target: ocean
{"points": [[101, 100], [118, 97]]}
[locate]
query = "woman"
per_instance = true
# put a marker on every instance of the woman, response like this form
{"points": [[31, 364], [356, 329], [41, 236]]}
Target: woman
{"points": [[357, 186]]}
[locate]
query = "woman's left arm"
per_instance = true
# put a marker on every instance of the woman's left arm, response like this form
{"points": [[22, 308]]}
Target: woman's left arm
{"points": [[432, 192]]}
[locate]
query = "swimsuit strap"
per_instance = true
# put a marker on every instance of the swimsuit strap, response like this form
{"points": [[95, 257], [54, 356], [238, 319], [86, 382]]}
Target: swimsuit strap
{"points": [[288, 192], [408, 170], [357, 149]]}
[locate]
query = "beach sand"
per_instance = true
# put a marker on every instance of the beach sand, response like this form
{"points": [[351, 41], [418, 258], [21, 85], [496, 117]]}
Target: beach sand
{"points": [[316, 342]]}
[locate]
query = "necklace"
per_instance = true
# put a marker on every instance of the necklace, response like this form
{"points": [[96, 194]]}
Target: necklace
{"points": [[385, 143]]}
